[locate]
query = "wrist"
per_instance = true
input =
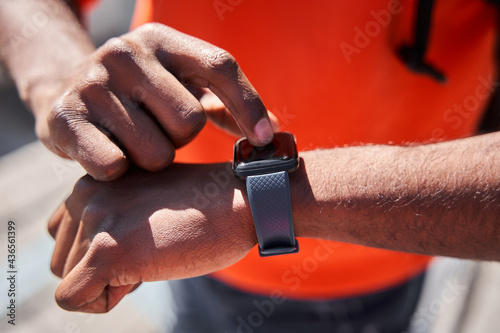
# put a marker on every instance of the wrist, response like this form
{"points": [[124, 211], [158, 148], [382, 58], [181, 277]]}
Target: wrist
{"points": [[40, 88], [317, 197], [303, 200], [243, 214], [224, 196], [38, 62]]}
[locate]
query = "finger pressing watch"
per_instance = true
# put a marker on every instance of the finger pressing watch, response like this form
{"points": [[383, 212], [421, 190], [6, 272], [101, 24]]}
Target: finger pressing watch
{"points": [[265, 171]]}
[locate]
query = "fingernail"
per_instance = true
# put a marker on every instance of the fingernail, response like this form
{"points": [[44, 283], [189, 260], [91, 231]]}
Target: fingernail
{"points": [[264, 131]]}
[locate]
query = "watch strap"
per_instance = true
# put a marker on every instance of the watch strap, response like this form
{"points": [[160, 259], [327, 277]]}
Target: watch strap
{"points": [[269, 197]]}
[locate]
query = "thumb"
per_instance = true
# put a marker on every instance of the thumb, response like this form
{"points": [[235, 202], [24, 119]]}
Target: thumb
{"points": [[83, 290]]}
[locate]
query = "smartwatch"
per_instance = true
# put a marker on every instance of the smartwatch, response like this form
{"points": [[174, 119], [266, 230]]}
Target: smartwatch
{"points": [[265, 171]]}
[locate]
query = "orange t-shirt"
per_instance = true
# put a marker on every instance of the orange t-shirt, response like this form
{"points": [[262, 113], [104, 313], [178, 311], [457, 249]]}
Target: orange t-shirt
{"points": [[329, 71]]}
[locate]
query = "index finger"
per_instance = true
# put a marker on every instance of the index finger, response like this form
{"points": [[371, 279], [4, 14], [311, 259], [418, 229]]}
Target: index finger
{"points": [[199, 63]]}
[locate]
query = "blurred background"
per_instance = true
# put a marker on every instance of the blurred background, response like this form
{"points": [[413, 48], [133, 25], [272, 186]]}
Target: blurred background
{"points": [[33, 181]]}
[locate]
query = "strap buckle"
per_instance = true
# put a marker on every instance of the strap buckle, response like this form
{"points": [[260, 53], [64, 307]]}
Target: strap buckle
{"points": [[277, 250]]}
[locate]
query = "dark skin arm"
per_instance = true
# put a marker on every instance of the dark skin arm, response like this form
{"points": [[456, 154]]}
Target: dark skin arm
{"points": [[438, 199], [434, 199], [135, 99]]}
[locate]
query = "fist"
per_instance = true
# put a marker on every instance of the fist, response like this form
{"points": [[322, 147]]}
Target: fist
{"points": [[110, 237], [143, 95]]}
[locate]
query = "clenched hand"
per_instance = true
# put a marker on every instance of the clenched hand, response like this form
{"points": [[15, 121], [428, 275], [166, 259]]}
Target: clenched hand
{"points": [[145, 226], [142, 95]]}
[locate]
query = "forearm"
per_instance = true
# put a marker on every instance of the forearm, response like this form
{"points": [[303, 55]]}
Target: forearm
{"points": [[440, 199], [194, 219], [41, 43]]}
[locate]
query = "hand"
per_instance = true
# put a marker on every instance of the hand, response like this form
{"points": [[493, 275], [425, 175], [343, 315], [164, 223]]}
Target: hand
{"points": [[110, 237], [144, 94]]}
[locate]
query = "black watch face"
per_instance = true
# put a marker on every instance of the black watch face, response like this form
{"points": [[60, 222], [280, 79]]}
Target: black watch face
{"points": [[279, 155]]}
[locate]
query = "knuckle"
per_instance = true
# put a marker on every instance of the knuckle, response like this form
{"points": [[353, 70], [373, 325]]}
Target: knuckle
{"points": [[65, 115], [104, 250], [94, 218], [152, 36], [90, 91], [196, 124], [93, 214], [191, 120], [101, 214], [149, 28], [71, 110], [118, 50], [219, 61], [85, 186], [102, 244], [194, 116], [119, 45]]}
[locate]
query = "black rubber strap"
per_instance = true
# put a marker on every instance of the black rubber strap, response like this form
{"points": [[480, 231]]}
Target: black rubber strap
{"points": [[269, 197]]}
